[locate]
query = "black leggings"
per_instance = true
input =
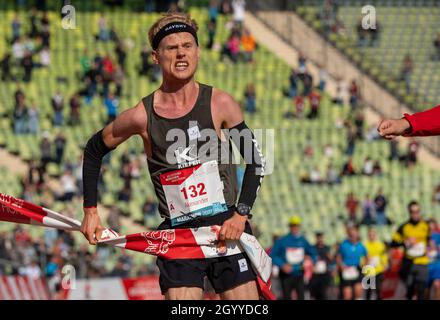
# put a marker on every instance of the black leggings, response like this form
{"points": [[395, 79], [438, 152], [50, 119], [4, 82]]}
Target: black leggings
{"points": [[289, 283]]}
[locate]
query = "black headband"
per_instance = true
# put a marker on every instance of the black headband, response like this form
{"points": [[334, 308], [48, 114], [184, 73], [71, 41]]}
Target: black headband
{"points": [[170, 28]]}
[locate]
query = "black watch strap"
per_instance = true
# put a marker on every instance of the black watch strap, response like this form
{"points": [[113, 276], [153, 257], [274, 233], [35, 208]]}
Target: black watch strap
{"points": [[244, 210]]}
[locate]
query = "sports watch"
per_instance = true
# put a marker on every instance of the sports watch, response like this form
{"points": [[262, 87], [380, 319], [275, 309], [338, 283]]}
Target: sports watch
{"points": [[244, 210]]}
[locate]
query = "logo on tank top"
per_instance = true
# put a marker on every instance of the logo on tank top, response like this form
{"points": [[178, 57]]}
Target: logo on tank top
{"points": [[187, 157]]}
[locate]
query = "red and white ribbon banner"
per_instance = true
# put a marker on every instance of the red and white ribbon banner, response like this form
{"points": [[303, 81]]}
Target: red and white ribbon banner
{"points": [[23, 288], [195, 243]]}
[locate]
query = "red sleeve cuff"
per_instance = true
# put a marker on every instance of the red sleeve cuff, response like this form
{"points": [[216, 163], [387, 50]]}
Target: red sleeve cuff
{"points": [[412, 125]]}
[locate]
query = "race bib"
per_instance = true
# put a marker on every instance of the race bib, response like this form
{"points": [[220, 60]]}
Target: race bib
{"points": [[295, 255], [193, 192], [350, 273], [417, 250], [374, 261], [320, 267]]}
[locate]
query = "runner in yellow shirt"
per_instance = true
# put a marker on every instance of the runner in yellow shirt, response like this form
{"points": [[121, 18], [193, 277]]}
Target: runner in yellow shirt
{"points": [[377, 263]]}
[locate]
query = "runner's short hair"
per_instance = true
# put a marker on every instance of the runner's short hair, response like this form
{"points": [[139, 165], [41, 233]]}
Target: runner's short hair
{"points": [[170, 17]]}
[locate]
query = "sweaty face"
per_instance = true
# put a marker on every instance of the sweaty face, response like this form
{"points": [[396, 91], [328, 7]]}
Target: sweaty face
{"points": [[178, 56]]}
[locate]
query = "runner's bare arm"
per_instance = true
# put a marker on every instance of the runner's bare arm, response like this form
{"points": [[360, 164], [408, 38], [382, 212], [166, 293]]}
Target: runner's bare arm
{"points": [[129, 123]]}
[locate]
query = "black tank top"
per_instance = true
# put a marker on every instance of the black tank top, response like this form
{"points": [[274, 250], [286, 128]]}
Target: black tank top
{"points": [[188, 145]]}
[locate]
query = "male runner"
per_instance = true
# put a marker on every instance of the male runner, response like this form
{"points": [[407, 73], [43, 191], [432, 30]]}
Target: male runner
{"points": [[425, 123], [194, 184], [350, 260], [414, 236]]}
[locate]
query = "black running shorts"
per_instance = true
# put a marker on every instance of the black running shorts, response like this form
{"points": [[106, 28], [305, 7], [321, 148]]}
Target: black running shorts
{"points": [[224, 273]]}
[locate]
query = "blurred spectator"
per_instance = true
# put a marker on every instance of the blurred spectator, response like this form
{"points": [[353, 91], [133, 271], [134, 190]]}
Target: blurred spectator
{"points": [[315, 175], [211, 34], [372, 134], [437, 47], [68, 186], [45, 57], [413, 149], [288, 254], [58, 106], [5, 66], [332, 175], [124, 194], [16, 28], [114, 219], [121, 54], [213, 11], [348, 168], [60, 143], [75, 106], [28, 65], [250, 99], [118, 270], [45, 23], [315, 100], [394, 150], [33, 33], [149, 211], [84, 62], [20, 116], [45, 151], [359, 121], [111, 103], [238, 7], [249, 45], [307, 83], [299, 106], [103, 33], [377, 169], [34, 119], [33, 271], [225, 7], [436, 194], [362, 34], [354, 94], [18, 51], [406, 71], [351, 204], [381, 203], [374, 34], [231, 48], [351, 139], [368, 167], [321, 278], [293, 81], [118, 79], [323, 78], [369, 214], [145, 61]]}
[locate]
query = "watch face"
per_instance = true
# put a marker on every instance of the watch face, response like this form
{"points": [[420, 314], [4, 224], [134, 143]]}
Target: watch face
{"points": [[243, 209]]}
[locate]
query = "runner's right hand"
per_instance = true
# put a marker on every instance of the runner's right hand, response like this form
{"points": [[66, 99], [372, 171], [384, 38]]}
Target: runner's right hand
{"points": [[91, 225], [287, 268]]}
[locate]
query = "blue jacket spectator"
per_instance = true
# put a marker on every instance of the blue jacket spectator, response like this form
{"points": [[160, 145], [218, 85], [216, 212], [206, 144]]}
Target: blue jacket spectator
{"points": [[291, 249]]}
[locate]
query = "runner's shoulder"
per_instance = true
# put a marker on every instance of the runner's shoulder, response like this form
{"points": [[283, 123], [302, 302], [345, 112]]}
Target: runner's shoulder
{"points": [[224, 105], [137, 117], [224, 100]]}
